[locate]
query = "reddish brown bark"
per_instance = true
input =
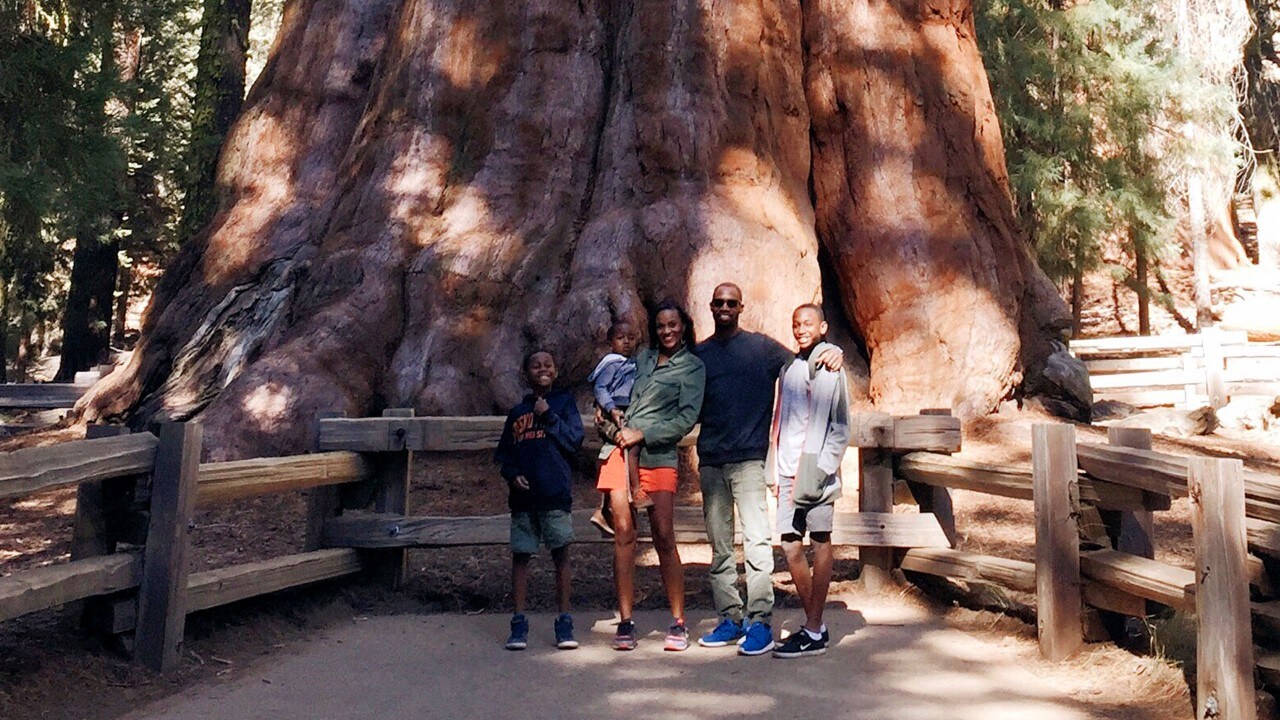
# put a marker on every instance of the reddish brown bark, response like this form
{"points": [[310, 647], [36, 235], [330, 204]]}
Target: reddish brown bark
{"points": [[421, 191], [912, 203]]}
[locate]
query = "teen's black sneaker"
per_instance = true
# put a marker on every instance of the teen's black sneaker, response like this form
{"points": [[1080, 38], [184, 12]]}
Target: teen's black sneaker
{"points": [[519, 638], [564, 632], [799, 644]]}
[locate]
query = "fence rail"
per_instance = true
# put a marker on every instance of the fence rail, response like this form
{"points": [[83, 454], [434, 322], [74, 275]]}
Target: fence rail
{"points": [[144, 489], [1184, 370]]}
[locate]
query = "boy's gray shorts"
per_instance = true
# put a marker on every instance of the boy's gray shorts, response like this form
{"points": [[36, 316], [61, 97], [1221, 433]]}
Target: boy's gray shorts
{"points": [[797, 520], [552, 528]]}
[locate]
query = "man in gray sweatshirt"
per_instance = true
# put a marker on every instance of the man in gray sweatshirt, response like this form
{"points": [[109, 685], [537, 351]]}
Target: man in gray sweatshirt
{"points": [[742, 368]]}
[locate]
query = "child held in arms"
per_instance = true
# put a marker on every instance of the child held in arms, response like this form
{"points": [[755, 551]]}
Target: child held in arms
{"points": [[611, 383], [541, 435], [810, 434]]}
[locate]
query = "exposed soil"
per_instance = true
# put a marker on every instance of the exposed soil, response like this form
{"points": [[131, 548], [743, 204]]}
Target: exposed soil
{"points": [[48, 669]]}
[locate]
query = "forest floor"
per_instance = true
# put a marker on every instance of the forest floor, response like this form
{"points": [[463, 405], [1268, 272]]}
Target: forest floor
{"points": [[50, 670]]}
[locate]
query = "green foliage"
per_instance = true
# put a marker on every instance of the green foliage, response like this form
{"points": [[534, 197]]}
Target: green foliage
{"points": [[87, 150], [1093, 101]]}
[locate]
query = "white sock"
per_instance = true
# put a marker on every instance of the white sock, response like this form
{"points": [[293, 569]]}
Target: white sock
{"points": [[814, 635]]}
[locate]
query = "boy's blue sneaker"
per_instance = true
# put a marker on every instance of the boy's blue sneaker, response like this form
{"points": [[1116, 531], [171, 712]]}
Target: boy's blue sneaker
{"points": [[519, 638], [564, 632], [758, 640], [726, 633]]}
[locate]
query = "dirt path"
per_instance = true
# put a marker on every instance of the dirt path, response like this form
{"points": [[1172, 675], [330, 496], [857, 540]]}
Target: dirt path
{"points": [[886, 661]]}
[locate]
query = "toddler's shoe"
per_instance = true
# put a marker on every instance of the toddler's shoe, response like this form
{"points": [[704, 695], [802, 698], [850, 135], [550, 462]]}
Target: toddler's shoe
{"points": [[602, 523]]}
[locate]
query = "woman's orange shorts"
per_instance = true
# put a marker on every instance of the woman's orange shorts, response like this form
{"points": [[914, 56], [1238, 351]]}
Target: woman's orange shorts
{"points": [[613, 476]]}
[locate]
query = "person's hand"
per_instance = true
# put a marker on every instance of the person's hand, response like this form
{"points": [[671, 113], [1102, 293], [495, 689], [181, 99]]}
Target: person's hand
{"points": [[619, 417], [629, 437], [832, 359], [774, 489], [521, 482], [540, 407]]}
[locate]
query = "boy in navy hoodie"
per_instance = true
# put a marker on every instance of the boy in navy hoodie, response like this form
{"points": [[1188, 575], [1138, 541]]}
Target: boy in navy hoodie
{"points": [[542, 434]]}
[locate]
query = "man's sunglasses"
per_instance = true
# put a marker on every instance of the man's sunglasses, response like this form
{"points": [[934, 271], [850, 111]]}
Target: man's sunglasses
{"points": [[722, 302]]}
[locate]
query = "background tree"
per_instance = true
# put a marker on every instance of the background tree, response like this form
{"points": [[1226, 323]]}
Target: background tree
{"points": [[219, 95], [1095, 102], [92, 121]]}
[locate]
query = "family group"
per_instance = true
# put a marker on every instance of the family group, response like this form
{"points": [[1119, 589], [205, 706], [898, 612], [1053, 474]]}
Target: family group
{"points": [[771, 420]]}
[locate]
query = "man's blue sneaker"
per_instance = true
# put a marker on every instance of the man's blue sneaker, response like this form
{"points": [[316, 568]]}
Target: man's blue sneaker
{"points": [[564, 632], [519, 638], [758, 640], [726, 633]]}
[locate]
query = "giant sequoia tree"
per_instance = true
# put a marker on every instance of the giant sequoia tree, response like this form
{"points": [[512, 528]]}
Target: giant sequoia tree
{"points": [[418, 191]]}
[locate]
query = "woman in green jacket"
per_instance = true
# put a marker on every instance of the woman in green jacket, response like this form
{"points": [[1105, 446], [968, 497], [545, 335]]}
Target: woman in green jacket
{"points": [[665, 402]]}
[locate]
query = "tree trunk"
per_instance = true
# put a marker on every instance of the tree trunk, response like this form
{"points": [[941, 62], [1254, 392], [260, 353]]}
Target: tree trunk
{"points": [[124, 286], [1199, 247], [86, 322], [419, 192], [1077, 298], [1144, 290], [4, 330], [25, 352], [219, 95]]}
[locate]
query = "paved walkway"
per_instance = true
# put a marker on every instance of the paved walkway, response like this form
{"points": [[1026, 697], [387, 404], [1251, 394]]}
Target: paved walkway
{"points": [[885, 663]]}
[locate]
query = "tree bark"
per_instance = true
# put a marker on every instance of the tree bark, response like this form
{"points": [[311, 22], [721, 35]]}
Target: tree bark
{"points": [[420, 192], [219, 96]]}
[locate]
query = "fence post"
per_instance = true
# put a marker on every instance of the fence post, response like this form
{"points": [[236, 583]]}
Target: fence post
{"points": [[1057, 492], [97, 501], [322, 502], [875, 494], [1134, 530], [935, 498], [101, 506], [393, 469], [1213, 367], [162, 610], [1224, 638]]}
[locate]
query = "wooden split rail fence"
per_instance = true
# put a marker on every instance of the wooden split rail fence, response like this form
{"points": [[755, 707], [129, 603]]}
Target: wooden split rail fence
{"points": [[136, 495], [1095, 548], [1188, 371]]}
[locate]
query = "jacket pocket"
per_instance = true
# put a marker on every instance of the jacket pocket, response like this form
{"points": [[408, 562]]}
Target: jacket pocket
{"points": [[811, 481]]}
